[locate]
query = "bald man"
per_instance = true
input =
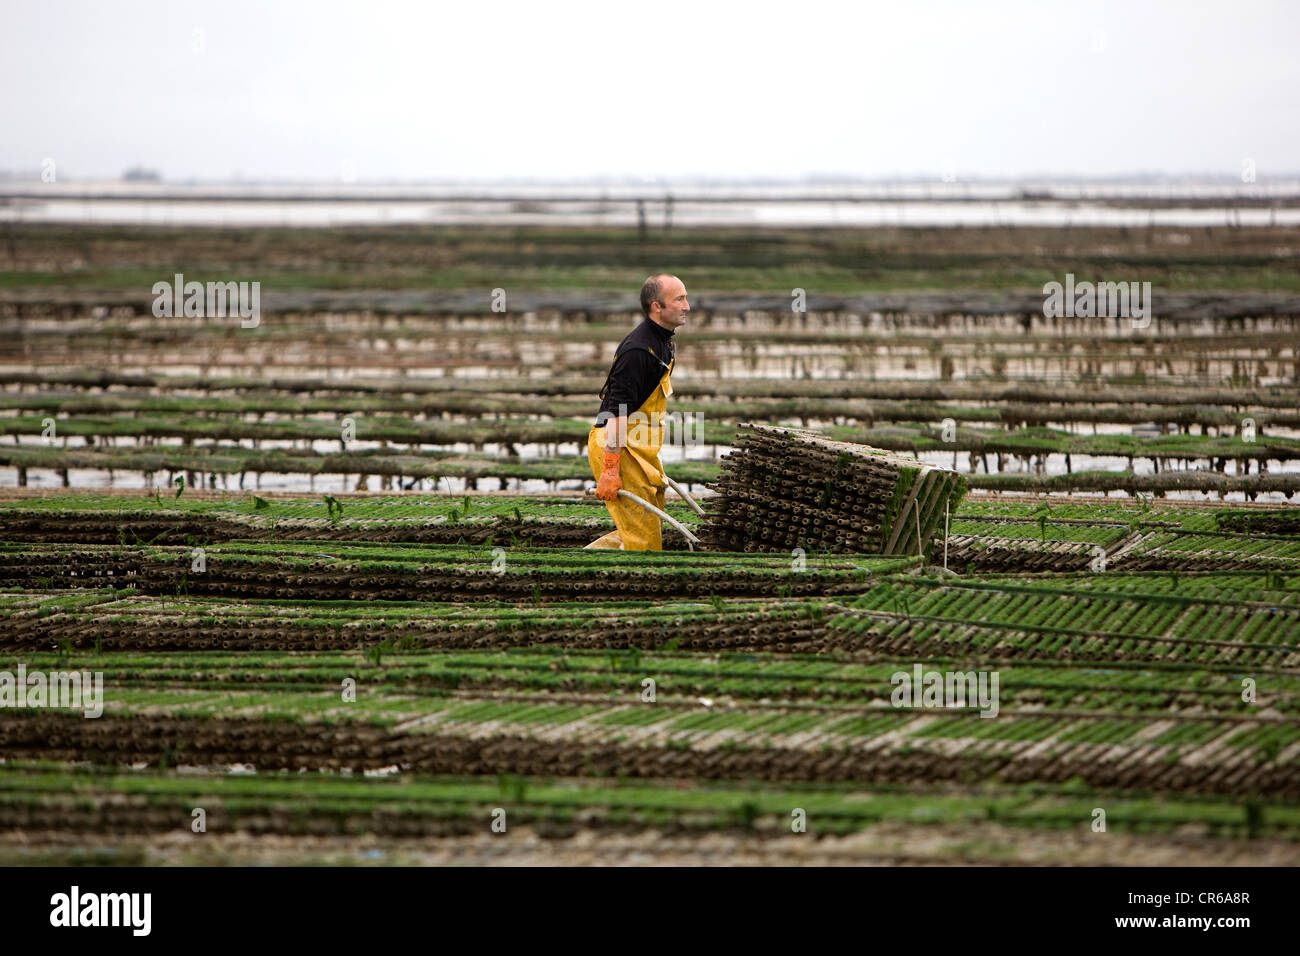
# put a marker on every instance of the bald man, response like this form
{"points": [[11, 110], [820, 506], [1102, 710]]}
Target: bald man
{"points": [[623, 446]]}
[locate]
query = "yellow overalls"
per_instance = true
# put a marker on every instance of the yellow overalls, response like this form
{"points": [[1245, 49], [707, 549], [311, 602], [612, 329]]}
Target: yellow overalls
{"points": [[640, 471]]}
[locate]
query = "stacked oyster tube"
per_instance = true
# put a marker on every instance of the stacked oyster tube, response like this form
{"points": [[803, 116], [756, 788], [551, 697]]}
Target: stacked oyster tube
{"points": [[786, 488]]}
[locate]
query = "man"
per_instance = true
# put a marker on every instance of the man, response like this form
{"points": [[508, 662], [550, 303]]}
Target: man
{"points": [[624, 449]]}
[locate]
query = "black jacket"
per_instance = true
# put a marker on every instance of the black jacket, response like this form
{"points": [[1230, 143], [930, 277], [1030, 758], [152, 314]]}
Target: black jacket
{"points": [[639, 363]]}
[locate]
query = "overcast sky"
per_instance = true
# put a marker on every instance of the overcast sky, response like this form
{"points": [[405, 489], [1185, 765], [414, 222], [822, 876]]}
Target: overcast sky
{"points": [[328, 90]]}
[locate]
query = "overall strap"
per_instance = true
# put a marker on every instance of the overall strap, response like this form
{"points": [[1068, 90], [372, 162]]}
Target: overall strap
{"points": [[626, 346]]}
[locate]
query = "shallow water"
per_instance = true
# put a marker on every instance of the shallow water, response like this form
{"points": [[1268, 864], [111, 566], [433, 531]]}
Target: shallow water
{"points": [[892, 204]]}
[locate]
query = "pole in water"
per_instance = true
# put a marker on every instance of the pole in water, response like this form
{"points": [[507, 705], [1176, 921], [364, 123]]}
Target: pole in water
{"points": [[946, 505]]}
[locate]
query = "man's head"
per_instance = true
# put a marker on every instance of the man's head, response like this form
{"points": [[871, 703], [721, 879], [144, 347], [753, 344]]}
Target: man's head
{"points": [[663, 300]]}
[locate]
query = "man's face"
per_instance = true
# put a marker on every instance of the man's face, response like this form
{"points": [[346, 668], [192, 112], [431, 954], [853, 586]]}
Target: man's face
{"points": [[672, 307]]}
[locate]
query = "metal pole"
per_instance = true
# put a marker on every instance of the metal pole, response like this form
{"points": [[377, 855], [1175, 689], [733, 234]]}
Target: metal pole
{"points": [[691, 540], [685, 497]]}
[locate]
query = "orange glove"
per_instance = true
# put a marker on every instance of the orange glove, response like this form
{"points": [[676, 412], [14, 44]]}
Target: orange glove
{"points": [[608, 486]]}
